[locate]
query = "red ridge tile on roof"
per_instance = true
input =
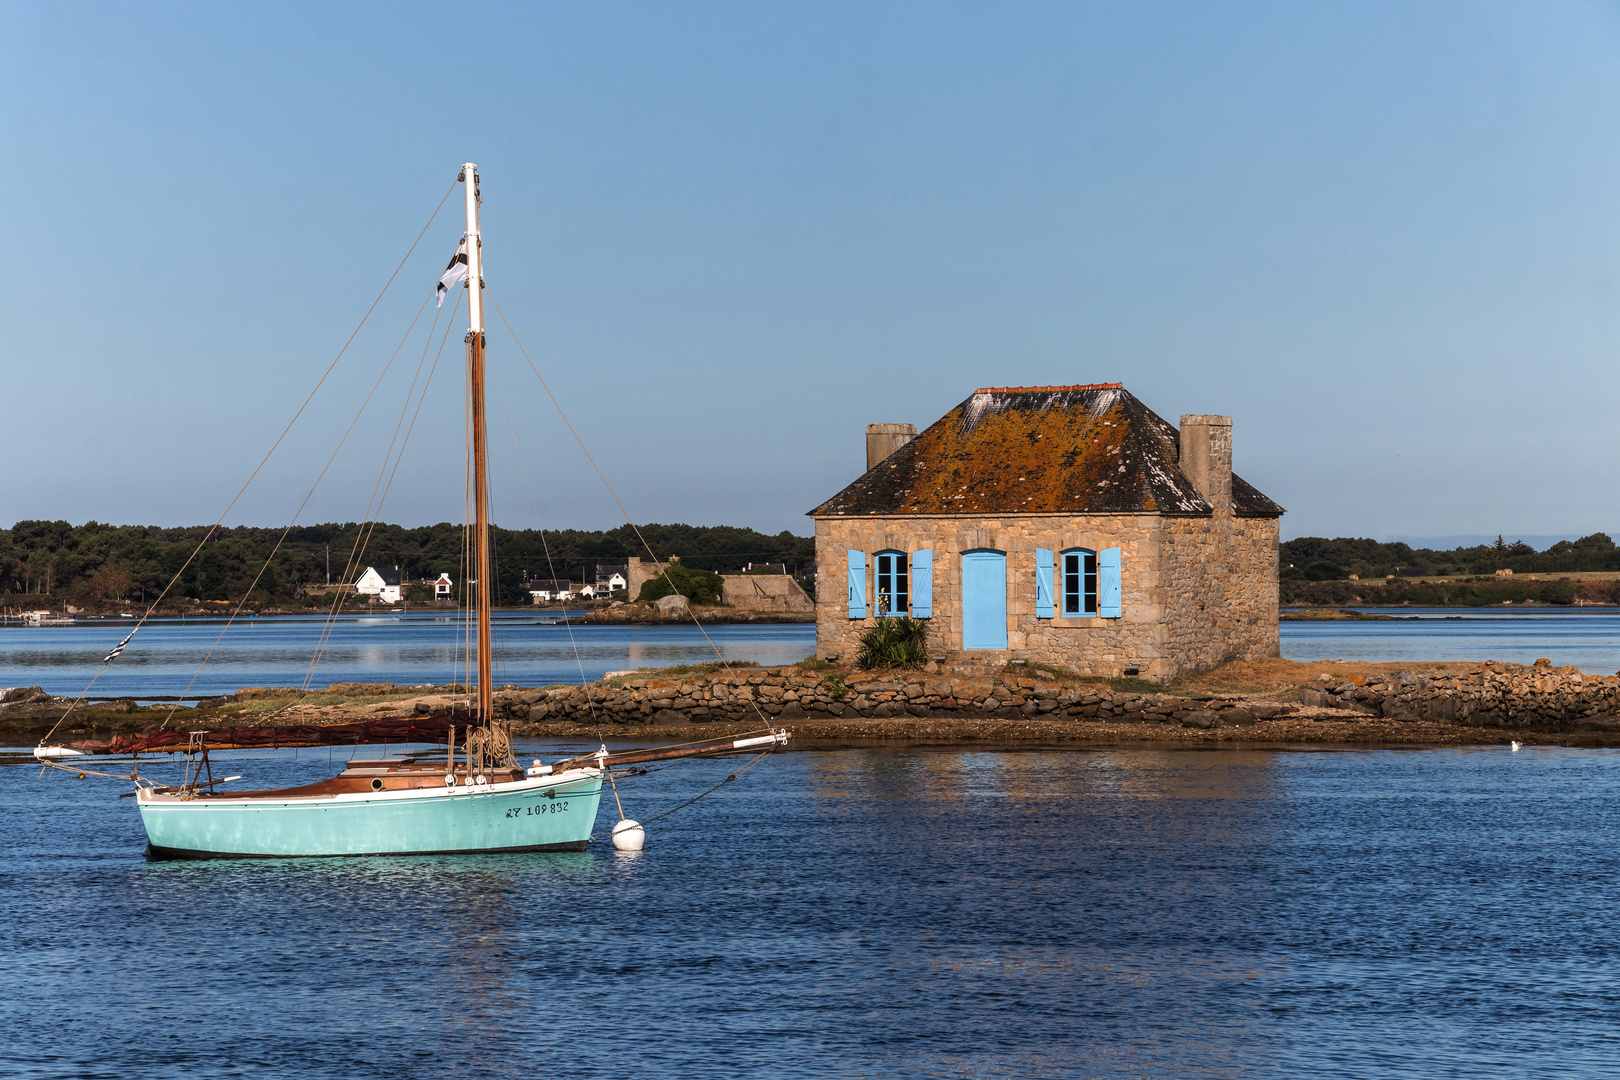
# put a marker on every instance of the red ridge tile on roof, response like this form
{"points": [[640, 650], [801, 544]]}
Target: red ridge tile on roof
{"points": [[1047, 389]]}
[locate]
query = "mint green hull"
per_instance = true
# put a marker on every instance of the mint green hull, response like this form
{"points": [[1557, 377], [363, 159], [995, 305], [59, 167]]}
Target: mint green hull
{"points": [[530, 815]]}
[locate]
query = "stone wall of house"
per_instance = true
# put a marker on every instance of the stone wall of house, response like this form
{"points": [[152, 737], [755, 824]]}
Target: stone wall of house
{"points": [[1221, 572], [1196, 592], [1103, 647]]}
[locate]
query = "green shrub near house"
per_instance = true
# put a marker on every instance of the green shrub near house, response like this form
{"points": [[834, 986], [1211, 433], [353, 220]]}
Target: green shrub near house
{"points": [[900, 642]]}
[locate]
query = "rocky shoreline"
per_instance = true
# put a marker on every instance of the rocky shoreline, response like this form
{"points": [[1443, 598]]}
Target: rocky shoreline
{"points": [[1400, 705], [1350, 704]]}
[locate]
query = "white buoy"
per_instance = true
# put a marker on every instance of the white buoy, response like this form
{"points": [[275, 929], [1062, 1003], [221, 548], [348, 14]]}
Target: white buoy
{"points": [[628, 835]]}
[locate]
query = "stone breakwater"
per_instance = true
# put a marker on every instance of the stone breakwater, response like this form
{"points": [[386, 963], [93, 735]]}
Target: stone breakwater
{"points": [[787, 694], [1539, 697]]}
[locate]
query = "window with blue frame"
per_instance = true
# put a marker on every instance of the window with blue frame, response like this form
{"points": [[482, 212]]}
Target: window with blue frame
{"points": [[893, 584], [1079, 582]]}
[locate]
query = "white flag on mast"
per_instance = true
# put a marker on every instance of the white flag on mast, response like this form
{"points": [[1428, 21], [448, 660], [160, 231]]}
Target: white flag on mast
{"points": [[455, 273], [110, 657]]}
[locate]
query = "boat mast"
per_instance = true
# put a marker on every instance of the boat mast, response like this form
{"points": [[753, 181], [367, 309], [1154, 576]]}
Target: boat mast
{"points": [[475, 385]]}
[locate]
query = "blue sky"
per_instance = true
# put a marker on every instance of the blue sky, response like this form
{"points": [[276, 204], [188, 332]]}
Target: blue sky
{"points": [[1384, 238]]}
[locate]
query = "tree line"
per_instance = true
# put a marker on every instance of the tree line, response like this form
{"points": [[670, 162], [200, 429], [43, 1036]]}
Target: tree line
{"points": [[1316, 558], [134, 563]]}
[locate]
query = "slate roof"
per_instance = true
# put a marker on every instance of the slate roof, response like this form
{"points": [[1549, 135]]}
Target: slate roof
{"points": [[1092, 449]]}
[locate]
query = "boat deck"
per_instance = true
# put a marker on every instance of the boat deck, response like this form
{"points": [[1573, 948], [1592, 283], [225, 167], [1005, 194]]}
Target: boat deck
{"points": [[394, 774]]}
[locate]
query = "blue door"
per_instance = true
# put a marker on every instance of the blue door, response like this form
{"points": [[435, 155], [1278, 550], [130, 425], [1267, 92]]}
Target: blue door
{"points": [[984, 600]]}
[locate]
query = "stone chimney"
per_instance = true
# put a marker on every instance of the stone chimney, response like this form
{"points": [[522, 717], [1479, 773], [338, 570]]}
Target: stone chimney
{"points": [[1206, 458], [884, 439]]}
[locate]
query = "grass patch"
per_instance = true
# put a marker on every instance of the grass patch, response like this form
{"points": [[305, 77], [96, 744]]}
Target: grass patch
{"points": [[675, 672], [1128, 684], [1051, 671], [814, 663]]}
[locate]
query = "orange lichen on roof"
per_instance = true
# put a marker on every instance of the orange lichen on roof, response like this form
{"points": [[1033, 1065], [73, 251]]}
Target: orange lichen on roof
{"points": [[1021, 460], [1092, 448]]}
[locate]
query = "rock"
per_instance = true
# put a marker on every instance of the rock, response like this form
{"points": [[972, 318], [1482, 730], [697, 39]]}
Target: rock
{"points": [[668, 716], [1238, 717], [1201, 719], [673, 604]]}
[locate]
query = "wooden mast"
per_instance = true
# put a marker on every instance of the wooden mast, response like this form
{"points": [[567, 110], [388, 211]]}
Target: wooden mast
{"points": [[475, 385]]}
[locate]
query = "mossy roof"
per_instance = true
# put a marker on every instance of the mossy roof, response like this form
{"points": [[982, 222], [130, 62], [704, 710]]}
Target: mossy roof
{"points": [[1093, 449]]}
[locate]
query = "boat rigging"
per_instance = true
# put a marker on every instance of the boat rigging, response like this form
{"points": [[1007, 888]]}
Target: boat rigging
{"points": [[485, 801]]}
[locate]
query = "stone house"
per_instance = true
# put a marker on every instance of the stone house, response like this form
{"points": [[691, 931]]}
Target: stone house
{"points": [[1063, 524]]}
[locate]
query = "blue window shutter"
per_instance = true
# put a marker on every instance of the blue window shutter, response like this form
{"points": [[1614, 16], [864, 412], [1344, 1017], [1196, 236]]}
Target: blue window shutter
{"points": [[1109, 605], [1043, 584], [922, 584], [857, 584]]}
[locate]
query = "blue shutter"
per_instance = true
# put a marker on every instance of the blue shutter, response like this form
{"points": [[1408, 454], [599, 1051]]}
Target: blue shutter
{"points": [[922, 584], [1043, 583], [857, 584], [1109, 605]]}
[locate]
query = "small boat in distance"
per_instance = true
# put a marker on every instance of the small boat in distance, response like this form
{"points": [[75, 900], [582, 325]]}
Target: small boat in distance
{"points": [[474, 798]]}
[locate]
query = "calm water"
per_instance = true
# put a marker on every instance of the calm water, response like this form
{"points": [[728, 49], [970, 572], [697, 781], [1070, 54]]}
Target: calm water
{"points": [[424, 648], [1112, 913], [1589, 639], [165, 654]]}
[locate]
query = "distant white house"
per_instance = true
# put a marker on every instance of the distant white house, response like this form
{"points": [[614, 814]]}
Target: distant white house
{"points": [[609, 578], [443, 588], [382, 585], [544, 589]]}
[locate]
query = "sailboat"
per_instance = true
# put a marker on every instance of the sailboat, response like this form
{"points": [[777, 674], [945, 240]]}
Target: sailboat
{"points": [[481, 801]]}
